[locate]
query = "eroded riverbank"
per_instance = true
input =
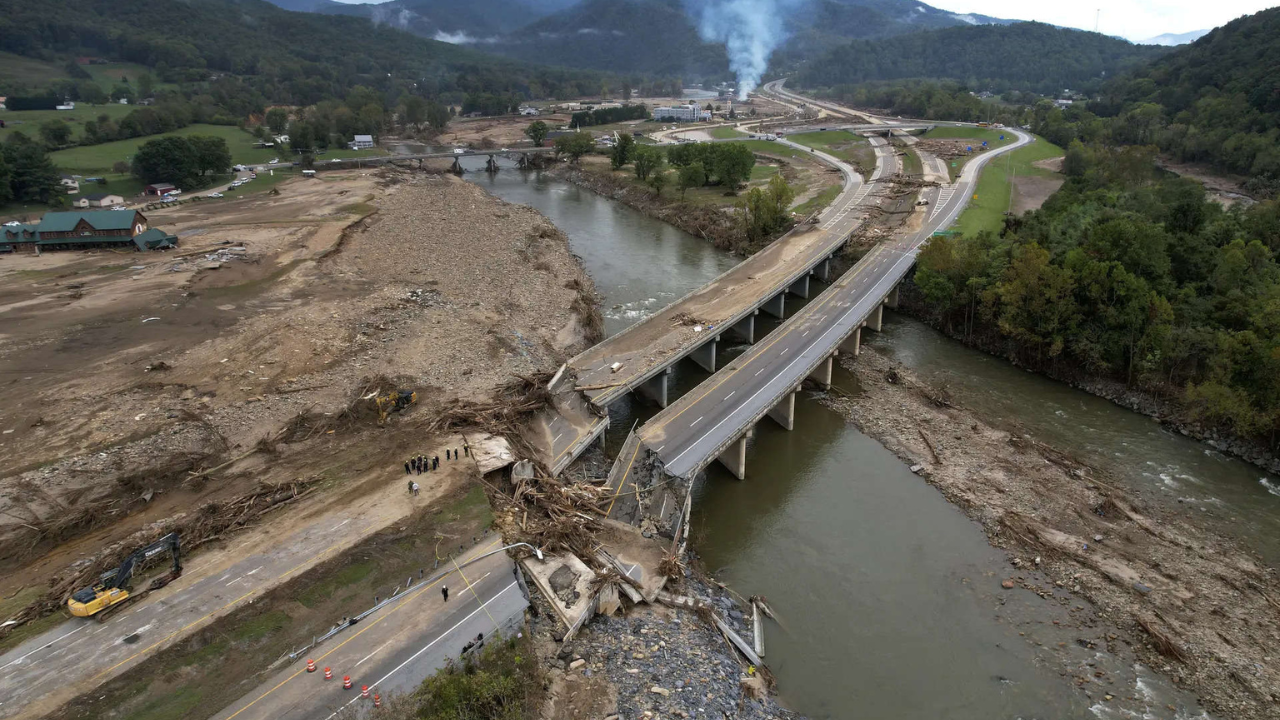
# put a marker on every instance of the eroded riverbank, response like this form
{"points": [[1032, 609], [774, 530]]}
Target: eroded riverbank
{"points": [[1185, 599]]}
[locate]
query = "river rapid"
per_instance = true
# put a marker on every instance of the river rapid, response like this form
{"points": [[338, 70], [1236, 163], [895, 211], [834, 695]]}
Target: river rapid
{"points": [[888, 596]]}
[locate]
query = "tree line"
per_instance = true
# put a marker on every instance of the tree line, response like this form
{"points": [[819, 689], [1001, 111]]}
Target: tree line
{"points": [[935, 100], [1132, 274], [605, 116]]}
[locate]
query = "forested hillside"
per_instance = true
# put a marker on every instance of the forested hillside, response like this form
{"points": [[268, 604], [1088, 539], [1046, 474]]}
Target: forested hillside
{"points": [[1216, 101], [1130, 274], [1024, 56], [284, 57]]}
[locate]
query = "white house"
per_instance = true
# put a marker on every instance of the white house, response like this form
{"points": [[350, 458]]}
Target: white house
{"points": [[101, 200], [70, 184], [528, 111], [66, 105], [281, 139], [361, 142]]}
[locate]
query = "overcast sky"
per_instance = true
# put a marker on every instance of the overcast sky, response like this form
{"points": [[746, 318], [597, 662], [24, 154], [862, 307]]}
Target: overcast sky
{"points": [[1133, 19]]}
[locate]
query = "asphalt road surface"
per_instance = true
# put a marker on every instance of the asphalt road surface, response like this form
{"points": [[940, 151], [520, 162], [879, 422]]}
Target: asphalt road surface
{"points": [[395, 649], [691, 432]]}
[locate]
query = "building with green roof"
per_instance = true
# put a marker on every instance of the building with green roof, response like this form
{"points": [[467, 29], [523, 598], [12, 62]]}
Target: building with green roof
{"points": [[86, 230]]}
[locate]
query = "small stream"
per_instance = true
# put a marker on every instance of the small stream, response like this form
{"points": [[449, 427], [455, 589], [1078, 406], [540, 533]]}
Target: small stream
{"points": [[889, 596]]}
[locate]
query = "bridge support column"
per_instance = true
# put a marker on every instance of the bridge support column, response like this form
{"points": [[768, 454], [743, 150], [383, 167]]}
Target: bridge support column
{"points": [[800, 287], [491, 165], [853, 343], [655, 388], [892, 299], [745, 329], [735, 458], [776, 305], [784, 413], [456, 168], [705, 355], [876, 318], [823, 270], [524, 160], [822, 373]]}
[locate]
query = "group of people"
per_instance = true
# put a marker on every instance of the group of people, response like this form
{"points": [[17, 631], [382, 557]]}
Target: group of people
{"points": [[420, 464]]}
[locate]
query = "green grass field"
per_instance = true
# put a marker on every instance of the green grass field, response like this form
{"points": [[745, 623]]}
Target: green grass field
{"points": [[991, 199], [820, 200], [725, 133], [126, 186], [99, 158], [948, 132], [853, 149], [29, 121], [768, 147]]}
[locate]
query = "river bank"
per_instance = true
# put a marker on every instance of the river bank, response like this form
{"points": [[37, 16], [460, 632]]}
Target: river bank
{"points": [[1167, 411], [1186, 601]]}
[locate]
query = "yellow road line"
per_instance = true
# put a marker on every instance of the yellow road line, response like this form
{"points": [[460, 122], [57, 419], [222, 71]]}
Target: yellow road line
{"points": [[369, 626], [823, 302], [622, 483], [314, 560], [475, 594]]}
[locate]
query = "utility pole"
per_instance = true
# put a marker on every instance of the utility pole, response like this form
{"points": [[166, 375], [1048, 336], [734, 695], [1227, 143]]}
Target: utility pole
{"points": [[1096, 17]]}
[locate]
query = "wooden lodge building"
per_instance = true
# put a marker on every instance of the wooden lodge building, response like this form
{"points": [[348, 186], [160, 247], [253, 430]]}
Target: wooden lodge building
{"points": [[85, 230]]}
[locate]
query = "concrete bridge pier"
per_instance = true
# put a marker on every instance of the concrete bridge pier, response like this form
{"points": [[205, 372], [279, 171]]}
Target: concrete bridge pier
{"points": [[823, 270], [822, 373], [655, 388], [745, 329], [784, 413], [876, 318], [892, 299], [705, 355], [853, 343], [776, 305], [456, 167], [735, 457], [491, 165], [523, 162], [800, 287]]}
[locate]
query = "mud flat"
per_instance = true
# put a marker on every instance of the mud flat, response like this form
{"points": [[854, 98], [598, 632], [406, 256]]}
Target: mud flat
{"points": [[1185, 600], [140, 388]]}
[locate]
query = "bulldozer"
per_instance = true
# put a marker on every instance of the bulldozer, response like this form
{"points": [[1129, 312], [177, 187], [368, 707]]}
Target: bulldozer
{"points": [[393, 402], [114, 588]]}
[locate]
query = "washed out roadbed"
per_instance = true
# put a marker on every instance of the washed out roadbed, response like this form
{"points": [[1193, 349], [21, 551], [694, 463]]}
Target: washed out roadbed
{"points": [[1190, 603]]}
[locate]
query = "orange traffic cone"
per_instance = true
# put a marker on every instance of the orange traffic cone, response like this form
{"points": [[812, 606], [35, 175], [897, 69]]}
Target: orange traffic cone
{"points": [[328, 674], [377, 700], [311, 665], [346, 682], [364, 691]]}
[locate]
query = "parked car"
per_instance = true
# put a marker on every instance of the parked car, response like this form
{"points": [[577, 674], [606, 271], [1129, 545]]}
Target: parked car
{"points": [[215, 195], [273, 161]]}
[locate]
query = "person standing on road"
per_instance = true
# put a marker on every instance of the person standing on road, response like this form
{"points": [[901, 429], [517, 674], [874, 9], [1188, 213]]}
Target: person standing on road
{"points": [[413, 488], [411, 484], [446, 453], [406, 467], [435, 462], [444, 592]]}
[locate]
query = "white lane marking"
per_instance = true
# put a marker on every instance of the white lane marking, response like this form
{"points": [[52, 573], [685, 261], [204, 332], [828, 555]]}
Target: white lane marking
{"points": [[344, 522], [425, 648], [375, 652], [806, 332], [726, 397], [695, 422], [554, 439], [659, 449], [44, 647]]}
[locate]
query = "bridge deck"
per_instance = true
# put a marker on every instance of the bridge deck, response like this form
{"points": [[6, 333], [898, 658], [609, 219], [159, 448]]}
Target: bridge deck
{"points": [[653, 344], [692, 432]]}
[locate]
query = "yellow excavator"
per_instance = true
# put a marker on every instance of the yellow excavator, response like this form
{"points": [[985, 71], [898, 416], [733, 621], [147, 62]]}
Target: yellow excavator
{"points": [[114, 589], [393, 402]]}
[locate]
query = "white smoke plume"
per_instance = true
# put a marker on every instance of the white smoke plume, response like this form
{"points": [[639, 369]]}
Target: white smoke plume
{"points": [[750, 31]]}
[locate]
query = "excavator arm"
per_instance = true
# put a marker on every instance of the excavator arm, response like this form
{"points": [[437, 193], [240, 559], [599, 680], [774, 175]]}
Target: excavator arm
{"points": [[113, 588]]}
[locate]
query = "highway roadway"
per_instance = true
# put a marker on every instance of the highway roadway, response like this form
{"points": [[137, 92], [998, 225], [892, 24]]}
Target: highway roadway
{"points": [[648, 347], [694, 430], [395, 649]]}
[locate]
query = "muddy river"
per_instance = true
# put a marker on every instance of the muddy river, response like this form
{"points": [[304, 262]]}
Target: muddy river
{"points": [[888, 595]]}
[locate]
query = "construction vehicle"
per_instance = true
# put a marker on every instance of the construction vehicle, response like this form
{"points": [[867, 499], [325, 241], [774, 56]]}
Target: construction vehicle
{"points": [[393, 402], [114, 588]]}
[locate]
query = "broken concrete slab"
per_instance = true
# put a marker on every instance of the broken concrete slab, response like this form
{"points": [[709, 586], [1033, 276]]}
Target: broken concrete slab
{"points": [[490, 452], [635, 556], [565, 581]]}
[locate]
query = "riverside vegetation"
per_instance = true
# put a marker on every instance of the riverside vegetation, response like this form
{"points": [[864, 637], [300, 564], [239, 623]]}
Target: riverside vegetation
{"points": [[1130, 275]]}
